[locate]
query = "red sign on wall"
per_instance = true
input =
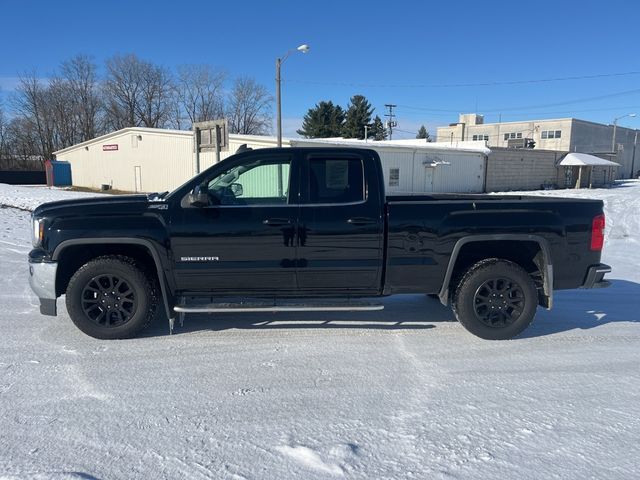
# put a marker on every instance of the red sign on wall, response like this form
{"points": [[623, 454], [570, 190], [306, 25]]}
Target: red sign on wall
{"points": [[109, 148]]}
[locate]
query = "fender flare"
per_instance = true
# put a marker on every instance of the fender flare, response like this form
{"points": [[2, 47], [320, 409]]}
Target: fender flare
{"points": [[547, 267], [124, 241]]}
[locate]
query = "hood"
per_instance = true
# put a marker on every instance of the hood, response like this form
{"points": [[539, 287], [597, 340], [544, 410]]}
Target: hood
{"points": [[101, 204]]}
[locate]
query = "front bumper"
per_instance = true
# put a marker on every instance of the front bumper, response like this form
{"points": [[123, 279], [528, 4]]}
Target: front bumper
{"points": [[595, 276], [42, 278]]}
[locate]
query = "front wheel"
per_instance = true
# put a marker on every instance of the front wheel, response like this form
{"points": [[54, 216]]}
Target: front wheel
{"points": [[111, 297], [495, 300]]}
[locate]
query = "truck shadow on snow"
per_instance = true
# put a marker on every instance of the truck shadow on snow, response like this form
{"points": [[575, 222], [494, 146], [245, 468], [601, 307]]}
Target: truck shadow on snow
{"points": [[586, 309], [573, 309], [402, 312]]}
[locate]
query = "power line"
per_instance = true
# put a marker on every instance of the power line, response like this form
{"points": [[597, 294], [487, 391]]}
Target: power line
{"points": [[533, 107], [466, 85]]}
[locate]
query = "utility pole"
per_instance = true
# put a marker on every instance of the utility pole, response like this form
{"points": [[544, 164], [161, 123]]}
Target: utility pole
{"points": [[366, 133], [390, 123]]}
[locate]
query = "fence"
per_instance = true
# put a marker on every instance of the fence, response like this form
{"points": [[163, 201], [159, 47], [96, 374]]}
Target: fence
{"points": [[23, 177]]}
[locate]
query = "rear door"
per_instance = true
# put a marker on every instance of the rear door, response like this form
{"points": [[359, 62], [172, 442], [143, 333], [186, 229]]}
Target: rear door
{"points": [[340, 230]]}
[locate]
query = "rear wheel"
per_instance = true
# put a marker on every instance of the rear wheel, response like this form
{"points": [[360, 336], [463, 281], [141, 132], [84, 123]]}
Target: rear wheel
{"points": [[111, 297], [496, 299]]}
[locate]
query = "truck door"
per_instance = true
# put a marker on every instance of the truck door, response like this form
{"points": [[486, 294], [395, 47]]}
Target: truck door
{"points": [[340, 230], [242, 240]]}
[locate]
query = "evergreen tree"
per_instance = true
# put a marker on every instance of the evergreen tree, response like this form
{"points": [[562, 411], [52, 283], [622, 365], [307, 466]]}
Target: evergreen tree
{"points": [[378, 132], [422, 133], [358, 115], [323, 121]]}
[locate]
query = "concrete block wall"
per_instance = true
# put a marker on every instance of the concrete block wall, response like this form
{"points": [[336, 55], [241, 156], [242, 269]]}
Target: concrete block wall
{"points": [[522, 169]]}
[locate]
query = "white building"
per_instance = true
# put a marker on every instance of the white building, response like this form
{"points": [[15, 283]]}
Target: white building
{"points": [[147, 160]]}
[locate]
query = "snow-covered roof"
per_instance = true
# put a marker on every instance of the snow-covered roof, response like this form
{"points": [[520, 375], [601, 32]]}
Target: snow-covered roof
{"points": [[585, 160], [467, 146], [102, 138]]}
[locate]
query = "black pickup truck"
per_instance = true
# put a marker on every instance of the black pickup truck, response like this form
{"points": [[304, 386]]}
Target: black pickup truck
{"points": [[309, 229]]}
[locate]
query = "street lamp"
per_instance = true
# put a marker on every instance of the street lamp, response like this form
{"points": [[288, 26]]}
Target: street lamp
{"points": [[304, 48], [615, 126]]}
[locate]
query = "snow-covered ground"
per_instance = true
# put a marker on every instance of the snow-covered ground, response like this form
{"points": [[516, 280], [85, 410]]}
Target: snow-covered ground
{"points": [[404, 393]]}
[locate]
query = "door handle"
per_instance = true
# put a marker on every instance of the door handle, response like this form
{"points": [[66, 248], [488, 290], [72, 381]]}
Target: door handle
{"points": [[361, 221], [276, 222]]}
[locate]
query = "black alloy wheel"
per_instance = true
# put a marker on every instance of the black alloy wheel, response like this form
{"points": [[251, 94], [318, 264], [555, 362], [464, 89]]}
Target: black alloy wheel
{"points": [[496, 299], [112, 297], [498, 302], [109, 300]]}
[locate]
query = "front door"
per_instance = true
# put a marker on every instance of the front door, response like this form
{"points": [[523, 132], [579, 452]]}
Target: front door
{"points": [[242, 240], [340, 232]]}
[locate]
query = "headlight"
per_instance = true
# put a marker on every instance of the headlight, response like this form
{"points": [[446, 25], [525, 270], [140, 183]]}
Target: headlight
{"points": [[38, 231]]}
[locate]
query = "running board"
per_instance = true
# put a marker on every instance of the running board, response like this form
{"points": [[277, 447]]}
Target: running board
{"points": [[245, 308], [268, 306]]}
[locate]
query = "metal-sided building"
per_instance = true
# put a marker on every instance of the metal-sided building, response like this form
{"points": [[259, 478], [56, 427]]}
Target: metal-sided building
{"points": [[146, 160], [140, 159]]}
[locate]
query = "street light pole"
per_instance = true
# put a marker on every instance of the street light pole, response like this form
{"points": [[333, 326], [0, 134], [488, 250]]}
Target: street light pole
{"points": [[304, 48], [278, 102], [615, 127]]}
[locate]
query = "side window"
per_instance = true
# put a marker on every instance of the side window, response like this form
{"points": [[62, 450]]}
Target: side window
{"points": [[339, 180], [260, 182]]}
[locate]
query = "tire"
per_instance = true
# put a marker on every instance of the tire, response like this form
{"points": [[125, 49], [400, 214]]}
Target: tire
{"points": [[495, 300], [111, 297]]}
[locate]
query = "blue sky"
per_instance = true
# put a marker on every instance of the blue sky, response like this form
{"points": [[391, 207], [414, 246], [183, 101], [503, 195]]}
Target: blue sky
{"points": [[391, 52]]}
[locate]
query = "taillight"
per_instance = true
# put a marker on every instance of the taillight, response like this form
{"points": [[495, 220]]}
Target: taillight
{"points": [[597, 233]]}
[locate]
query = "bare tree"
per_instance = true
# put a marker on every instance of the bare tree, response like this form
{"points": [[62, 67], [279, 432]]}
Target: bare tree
{"points": [[249, 108], [199, 92], [23, 142], [137, 93], [34, 107], [81, 80], [61, 108]]}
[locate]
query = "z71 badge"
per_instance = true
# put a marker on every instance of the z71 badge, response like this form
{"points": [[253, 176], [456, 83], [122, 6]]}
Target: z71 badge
{"points": [[199, 259]]}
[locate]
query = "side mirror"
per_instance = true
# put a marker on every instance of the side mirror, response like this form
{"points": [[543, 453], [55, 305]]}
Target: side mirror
{"points": [[236, 189], [199, 197]]}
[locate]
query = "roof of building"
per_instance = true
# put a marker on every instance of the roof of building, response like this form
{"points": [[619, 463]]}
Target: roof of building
{"points": [[485, 124], [585, 160], [466, 146]]}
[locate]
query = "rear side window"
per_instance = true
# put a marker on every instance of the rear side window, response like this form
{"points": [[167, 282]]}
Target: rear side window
{"points": [[339, 180]]}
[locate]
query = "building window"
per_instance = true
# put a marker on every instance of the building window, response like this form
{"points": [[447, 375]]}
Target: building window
{"points": [[551, 134], [481, 137], [394, 177], [510, 135], [519, 135]]}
